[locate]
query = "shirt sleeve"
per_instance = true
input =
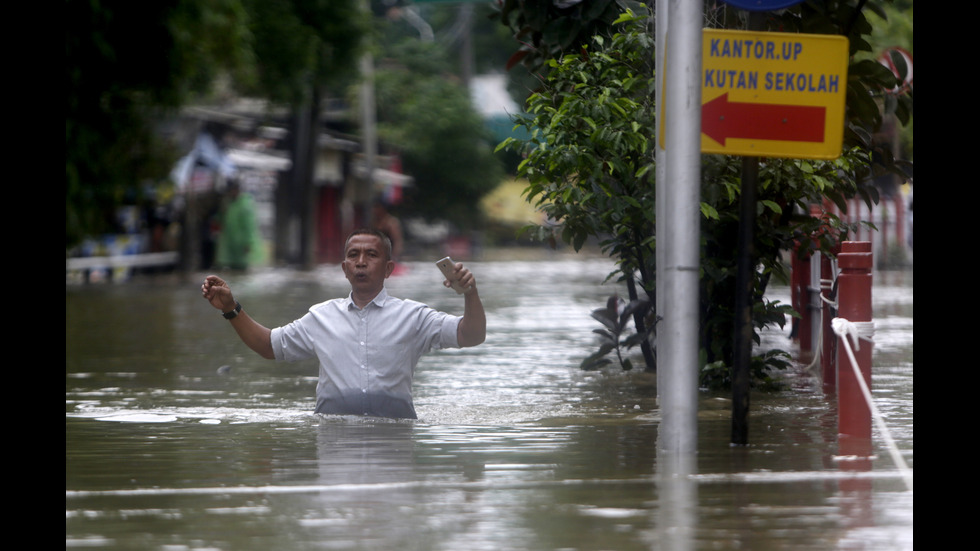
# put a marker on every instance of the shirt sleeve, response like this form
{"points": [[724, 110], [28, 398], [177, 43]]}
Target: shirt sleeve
{"points": [[448, 336], [431, 329], [292, 342]]}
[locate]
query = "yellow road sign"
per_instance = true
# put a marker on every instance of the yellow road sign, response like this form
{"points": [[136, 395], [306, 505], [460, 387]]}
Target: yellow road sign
{"points": [[773, 94]]}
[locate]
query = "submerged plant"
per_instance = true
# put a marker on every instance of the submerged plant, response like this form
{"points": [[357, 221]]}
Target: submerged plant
{"points": [[718, 375], [614, 336]]}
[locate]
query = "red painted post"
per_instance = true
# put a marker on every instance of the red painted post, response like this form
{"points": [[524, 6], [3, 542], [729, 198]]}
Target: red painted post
{"points": [[854, 304]]}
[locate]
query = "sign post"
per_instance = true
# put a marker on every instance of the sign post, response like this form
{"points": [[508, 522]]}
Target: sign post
{"points": [[767, 94]]}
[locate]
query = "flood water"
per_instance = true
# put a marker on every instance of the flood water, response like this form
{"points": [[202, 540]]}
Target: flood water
{"points": [[180, 438]]}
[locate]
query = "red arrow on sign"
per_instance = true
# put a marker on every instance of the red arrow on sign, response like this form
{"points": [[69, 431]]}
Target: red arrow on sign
{"points": [[721, 120]]}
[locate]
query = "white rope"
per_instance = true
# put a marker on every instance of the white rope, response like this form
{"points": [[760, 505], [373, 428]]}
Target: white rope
{"points": [[825, 285], [818, 350], [858, 331]]}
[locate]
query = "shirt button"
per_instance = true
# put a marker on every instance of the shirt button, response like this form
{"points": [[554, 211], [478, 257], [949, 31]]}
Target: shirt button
{"points": [[362, 343], [364, 390]]}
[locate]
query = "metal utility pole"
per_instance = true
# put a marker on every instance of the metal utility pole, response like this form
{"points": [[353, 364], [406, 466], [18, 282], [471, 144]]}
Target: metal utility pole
{"points": [[679, 233]]}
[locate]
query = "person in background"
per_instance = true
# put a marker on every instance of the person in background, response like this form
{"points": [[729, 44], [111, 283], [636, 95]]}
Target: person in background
{"points": [[388, 224], [238, 240]]}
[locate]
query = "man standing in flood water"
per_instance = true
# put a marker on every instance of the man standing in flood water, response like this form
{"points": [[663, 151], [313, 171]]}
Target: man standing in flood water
{"points": [[368, 343]]}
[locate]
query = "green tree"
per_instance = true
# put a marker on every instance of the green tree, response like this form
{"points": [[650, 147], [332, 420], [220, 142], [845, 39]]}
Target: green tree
{"points": [[590, 167], [304, 48], [129, 65], [305, 51], [548, 29], [589, 157], [426, 115], [894, 30]]}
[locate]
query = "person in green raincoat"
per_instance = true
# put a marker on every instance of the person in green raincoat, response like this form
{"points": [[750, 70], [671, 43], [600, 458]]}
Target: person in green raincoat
{"points": [[238, 243]]}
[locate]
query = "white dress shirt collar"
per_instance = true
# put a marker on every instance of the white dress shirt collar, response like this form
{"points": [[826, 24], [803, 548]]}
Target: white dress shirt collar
{"points": [[378, 301]]}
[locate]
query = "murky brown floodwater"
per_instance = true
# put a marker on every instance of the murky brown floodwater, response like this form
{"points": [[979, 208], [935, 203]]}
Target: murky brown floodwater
{"points": [[179, 438]]}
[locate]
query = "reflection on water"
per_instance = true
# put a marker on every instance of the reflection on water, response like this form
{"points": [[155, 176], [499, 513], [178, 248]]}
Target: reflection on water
{"points": [[177, 437]]}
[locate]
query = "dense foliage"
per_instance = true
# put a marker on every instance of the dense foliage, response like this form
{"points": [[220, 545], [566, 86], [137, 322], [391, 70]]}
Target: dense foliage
{"points": [[300, 45], [127, 65], [425, 116], [589, 158], [131, 66], [590, 167]]}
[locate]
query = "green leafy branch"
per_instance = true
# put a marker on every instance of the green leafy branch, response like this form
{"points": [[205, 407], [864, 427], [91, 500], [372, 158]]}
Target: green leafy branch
{"points": [[614, 336]]}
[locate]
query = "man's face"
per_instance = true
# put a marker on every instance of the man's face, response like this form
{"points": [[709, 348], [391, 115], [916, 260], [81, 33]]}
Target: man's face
{"points": [[366, 264]]}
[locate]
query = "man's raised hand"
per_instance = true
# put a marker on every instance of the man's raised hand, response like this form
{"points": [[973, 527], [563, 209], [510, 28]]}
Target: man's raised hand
{"points": [[217, 292]]}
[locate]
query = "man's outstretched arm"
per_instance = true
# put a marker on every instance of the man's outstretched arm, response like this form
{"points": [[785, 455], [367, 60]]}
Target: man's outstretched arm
{"points": [[253, 334], [472, 328]]}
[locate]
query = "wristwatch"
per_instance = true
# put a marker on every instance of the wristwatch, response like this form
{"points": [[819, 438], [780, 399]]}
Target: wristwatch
{"points": [[233, 313]]}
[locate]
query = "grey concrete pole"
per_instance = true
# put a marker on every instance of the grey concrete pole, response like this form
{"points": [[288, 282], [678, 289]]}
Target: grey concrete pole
{"points": [[677, 336]]}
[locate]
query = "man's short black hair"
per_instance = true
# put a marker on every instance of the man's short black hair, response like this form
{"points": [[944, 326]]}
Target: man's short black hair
{"points": [[385, 240]]}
